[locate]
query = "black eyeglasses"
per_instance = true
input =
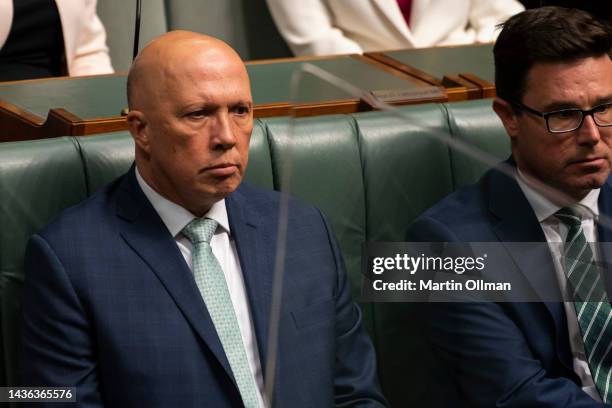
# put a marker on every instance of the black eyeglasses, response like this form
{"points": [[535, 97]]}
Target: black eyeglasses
{"points": [[568, 120]]}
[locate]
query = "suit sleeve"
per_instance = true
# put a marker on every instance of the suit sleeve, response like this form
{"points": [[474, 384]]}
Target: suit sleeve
{"points": [[307, 27], [356, 381], [57, 349], [91, 54], [486, 352]]}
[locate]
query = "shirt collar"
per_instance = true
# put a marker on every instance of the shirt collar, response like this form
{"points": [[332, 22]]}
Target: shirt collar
{"points": [[176, 217], [544, 208]]}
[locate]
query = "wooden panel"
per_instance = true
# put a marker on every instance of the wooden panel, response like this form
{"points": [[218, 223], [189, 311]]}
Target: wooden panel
{"points": [[470, 67], [488, 88], [457, 89]]}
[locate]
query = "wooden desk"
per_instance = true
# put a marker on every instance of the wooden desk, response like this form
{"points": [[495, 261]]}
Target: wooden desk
{"points": [[36, 109], [87, 105], [271, 86], [469, 66]]}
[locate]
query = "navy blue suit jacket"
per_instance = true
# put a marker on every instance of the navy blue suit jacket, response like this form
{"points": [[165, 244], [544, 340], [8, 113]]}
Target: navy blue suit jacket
{"points": [[504, 354], [111, 307]]}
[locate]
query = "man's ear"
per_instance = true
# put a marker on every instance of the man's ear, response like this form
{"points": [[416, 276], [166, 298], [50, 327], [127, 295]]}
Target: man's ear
{"points": [[138, 127], [507, 115]]}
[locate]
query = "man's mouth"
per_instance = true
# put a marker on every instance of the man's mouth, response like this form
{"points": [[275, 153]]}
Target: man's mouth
{"points": [[590, 161], [222, 169]]}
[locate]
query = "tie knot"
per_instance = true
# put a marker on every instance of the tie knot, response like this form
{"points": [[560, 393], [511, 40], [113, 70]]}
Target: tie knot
{"points": [[569, 217], [200, 230]]}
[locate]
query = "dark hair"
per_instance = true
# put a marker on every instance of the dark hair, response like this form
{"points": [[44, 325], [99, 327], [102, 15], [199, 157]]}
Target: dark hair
{"points": [[545, 35]]}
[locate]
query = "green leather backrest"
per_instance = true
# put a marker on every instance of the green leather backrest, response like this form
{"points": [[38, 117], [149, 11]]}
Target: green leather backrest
{"points": [[105, 157], [401, 149], [318, 160], [259, 169], [476, 124], [38, 179]]}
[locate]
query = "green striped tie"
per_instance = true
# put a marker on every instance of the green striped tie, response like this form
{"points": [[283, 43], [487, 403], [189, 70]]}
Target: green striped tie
{"points": [[211, 281], [590, 301]]}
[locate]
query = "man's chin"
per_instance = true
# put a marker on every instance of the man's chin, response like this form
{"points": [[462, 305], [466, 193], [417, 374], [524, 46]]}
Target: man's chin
{"points": [[594, 183], [220, 185], [582, 186], [222, 190], [596, 180]]}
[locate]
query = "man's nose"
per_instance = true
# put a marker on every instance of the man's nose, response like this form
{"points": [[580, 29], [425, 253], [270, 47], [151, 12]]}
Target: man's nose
{"points": [[588, 133], [223, 135]]}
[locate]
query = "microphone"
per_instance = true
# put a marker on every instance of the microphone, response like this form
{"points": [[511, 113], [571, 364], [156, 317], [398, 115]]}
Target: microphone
{"points": [[137, 28], [125, 111]]}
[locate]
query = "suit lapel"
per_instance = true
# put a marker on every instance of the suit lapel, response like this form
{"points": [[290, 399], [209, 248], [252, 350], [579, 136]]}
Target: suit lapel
{"points": [[147, 235], [518, 223], [390, 10], [253, 234], [604, 233]]}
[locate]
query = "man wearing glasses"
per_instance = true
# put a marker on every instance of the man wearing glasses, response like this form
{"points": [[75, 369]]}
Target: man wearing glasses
{"points": [[554, 87]]}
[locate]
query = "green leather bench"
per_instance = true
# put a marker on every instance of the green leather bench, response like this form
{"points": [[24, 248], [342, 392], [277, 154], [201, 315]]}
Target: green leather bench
{"points": [[371, 174]]}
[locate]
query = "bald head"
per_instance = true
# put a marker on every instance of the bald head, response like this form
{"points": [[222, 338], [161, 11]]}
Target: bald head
{"points": [[191, 117], [167, 58]]}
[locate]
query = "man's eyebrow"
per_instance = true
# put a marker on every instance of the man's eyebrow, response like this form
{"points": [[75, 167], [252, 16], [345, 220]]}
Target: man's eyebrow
{"points": [[560, 105], [242, 102], [207, 106], [604, 99]]}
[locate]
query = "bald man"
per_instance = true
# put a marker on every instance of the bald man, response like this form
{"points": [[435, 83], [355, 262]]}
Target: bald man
{"points": [[124, 298]]}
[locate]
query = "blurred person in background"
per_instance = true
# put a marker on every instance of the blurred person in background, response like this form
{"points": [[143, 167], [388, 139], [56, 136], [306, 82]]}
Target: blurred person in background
{"points": [[321, 27], [47, 38]]}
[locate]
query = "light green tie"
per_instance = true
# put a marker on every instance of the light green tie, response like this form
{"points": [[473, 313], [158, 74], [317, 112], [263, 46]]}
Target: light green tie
{"points": [[590, 301], [211, 282]]}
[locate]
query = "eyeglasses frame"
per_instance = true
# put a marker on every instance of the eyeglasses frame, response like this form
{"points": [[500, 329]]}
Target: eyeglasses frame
{"points": [[546, 115]]}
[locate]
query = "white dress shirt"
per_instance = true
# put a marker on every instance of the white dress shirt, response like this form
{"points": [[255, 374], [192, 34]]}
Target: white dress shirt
{"points": [[176, 218], [556, 232]]}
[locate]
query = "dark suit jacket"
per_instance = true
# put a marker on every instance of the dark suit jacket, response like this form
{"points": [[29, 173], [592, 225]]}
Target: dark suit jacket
{"points": [[504, 354], [111, 306]]}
